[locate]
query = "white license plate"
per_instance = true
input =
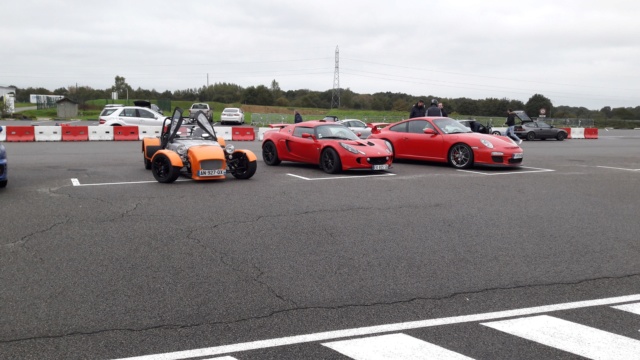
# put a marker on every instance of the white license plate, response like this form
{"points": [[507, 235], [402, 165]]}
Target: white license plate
{"points": [[381, 167], [517, 156], [217, 172]]}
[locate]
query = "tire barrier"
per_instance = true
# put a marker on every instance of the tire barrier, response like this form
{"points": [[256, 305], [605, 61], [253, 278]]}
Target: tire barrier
{"points": [[20, 133], [591, 133], [148, 131], [241, 133], [125, 133], [75, 133], [48, 133], [577, 133], [101, 133], [568, 130]]}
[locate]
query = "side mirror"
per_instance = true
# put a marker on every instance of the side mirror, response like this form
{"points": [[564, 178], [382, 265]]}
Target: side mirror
{"points": [[307, 136], [429, 131]]}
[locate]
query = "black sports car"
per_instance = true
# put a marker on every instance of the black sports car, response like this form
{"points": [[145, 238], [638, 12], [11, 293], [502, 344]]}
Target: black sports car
{"points": [[536, 129]]}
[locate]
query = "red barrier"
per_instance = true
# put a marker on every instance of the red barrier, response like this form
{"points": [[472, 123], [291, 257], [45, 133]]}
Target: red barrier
{"points": [[20, 133], [591, 133], [242, 134], [125, 133], [568, 130], [75, 133]]}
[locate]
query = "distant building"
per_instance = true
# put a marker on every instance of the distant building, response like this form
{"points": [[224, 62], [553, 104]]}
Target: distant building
{"points": [[67, 108], [7, 90]]}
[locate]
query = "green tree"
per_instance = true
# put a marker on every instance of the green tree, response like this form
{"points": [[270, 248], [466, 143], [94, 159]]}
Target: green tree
{"points": [[537, 102]]}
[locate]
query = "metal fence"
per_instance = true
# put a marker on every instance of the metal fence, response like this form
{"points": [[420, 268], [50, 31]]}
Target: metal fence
{"points": [[266, 119]]}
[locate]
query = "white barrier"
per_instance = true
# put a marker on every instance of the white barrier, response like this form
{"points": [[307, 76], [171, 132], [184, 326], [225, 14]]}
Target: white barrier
{"points": [[100, 133], [3, 133], [224, 131], [577, 133], [263, 130], [47, 133], [149, 131]]}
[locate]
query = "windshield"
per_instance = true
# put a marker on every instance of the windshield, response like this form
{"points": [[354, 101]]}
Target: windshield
{"points": [[335, 132], [450, 126]]}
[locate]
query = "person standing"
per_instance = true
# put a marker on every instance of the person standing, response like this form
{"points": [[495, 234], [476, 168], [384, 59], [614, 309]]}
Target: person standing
{"points": [[442, 111], [434, 110], [511, 124], [297, 118], [418, 110]]}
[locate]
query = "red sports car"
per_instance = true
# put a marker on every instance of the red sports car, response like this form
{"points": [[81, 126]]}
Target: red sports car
{"points": [[446, 140], [331, 145]]}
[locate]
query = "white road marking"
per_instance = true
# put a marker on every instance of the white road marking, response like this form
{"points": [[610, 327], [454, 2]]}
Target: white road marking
{"points": [[391, 347], [632, 308], [571, 337], [76, 182], [330, 335], [616, 168], [537, 170], [340, 177]]}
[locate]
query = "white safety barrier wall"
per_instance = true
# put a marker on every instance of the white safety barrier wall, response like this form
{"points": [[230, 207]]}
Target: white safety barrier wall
{"points": [[100, 133], [263, 130], [224, 131], [47, 133], [577, 133], [3, 133], [149, 131]]}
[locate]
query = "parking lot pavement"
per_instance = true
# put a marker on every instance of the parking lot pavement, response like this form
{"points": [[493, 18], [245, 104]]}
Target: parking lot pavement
{"points": [[128, 266]]}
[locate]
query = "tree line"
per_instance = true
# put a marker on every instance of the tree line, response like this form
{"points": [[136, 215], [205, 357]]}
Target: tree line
{"points": [[273, 95]]}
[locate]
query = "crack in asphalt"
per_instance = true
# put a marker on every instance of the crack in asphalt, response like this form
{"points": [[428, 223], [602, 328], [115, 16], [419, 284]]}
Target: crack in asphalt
{"points": [[283, 311], [25, 239]]}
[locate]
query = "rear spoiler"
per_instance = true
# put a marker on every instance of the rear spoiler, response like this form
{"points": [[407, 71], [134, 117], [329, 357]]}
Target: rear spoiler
{"points": [[375, 127], [278, 126]]}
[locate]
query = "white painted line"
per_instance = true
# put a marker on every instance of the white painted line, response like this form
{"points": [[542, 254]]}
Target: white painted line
{"points": [[616, 168], [571, 337], [537, 170], [76, 182], [632, 308], [392, 347], [222, 358], [330, 335], [340, 177]]}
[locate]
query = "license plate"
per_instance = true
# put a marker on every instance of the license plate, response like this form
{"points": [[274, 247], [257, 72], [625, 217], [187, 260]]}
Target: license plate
{"points": [[517, 156], [217, 172], [380, 167]]}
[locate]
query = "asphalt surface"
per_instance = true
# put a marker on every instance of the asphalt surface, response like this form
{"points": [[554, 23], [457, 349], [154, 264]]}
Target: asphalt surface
{"points": [[121, 266]]}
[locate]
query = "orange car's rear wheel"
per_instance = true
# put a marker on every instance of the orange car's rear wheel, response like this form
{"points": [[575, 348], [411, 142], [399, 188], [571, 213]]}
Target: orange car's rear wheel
{"points": [[163, 170]]}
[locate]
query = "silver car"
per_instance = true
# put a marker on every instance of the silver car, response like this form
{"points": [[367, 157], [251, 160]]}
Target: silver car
{"points": [[131, 115], [359, 127]]}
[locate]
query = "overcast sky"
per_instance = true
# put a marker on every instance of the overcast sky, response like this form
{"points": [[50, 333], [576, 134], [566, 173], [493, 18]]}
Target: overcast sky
{"points": [[576, 53]]}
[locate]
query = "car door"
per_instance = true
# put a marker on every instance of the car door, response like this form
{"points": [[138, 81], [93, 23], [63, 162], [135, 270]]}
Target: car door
{"points": [[129, 116], [303, 149], [147, 118], [545, 130], [423, 146]]}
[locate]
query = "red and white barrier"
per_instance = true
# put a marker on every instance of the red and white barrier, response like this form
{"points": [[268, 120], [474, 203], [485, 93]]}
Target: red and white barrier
{"points": [[48, 133], [101, 133]]}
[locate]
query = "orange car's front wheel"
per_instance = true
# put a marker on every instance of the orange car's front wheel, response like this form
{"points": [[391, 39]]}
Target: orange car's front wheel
{"points": [[163, 170]]}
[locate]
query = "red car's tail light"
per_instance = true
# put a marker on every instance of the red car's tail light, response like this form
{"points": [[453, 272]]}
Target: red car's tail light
{"points": [[102, 121]]}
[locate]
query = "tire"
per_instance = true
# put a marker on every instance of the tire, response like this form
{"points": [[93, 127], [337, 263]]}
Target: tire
{"points": [[460, 156], [561, 136], [3, 183], [496, 133], [270, 154], [147, 162], [531, 136], [163, 170], [244, 168], [330, 161]]}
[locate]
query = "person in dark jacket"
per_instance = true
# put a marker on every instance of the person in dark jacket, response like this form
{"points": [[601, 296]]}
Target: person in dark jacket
{"points": [[418, 110], [511, 124], [297, 117], [442, 111], [434, 110]]}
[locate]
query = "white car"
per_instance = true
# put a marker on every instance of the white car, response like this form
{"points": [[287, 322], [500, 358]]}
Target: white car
{"points": [[234, 115], [359, 127], [131, 115]]}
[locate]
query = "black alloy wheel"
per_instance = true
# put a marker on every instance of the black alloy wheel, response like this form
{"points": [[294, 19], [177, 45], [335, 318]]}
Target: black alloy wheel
{"points": [[330, 161], [163, 170], [270, 153], [531, 136], [243, 168]]}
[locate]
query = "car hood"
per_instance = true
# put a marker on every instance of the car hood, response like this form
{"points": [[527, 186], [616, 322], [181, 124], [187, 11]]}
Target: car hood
{"points": [[474, 139]]}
